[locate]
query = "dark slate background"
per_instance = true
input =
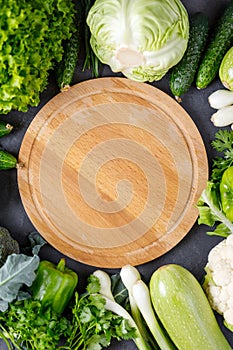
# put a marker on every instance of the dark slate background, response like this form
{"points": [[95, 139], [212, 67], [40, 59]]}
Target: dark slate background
{"points": [[193, 250]]}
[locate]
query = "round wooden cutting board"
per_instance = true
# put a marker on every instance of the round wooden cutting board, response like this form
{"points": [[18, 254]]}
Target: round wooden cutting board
{"points": [[112, 172]]}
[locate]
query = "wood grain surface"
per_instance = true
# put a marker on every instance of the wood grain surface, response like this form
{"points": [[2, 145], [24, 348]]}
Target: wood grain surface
{"points": [[112, 172]]}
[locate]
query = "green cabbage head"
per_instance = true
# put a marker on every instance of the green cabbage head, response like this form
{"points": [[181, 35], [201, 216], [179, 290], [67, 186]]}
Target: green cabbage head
{"points": [[142, 39]]}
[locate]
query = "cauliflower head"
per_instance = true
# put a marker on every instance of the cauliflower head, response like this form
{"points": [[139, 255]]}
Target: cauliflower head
{"points": [[218, 282]]}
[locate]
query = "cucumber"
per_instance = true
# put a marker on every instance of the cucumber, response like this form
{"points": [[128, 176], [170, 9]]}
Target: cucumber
{"points": [[5, 128], [183, 74], [65, 70], [7, 161], [218, 45], [184, 310]]}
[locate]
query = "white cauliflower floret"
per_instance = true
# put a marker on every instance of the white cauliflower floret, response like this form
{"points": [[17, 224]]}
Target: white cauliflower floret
{"points": [[228, 314], [230, 288], [223, 272], [218, 283], [213, 295], [230, 240]]}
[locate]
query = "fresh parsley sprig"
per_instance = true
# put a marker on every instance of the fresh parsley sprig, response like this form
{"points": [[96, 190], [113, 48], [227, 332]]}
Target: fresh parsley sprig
{"points": [[25, 326], [223, 140], [93, 326], [88, 325], [223, 143], [210, 204]]}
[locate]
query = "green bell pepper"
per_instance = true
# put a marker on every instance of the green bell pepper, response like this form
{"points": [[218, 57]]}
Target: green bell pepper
{"points": [[54, 285], [226, 193]]}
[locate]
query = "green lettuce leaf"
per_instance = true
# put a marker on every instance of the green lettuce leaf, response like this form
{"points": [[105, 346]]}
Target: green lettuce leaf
{"points": [[210, 212], [31, 39]]}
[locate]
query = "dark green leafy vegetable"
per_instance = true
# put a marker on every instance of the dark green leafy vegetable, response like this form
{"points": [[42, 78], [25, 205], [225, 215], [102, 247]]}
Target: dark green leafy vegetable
{"points": [[211, 205], [93, 326], [18, 270], [36, 242], [119, 291], [29, 326], [32, 32], [87, 325], [8, 245], [223, 144]]}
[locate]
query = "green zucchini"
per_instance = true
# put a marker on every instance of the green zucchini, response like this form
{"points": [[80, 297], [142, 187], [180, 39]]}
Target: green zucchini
{"points": [[183, 74], [65, 70], [7, 160], [5, 128], [184, 310], [218, 45]]}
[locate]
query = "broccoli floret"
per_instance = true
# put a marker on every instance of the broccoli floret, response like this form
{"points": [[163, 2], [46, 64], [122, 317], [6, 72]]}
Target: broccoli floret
{"points": [[7, 245]]}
